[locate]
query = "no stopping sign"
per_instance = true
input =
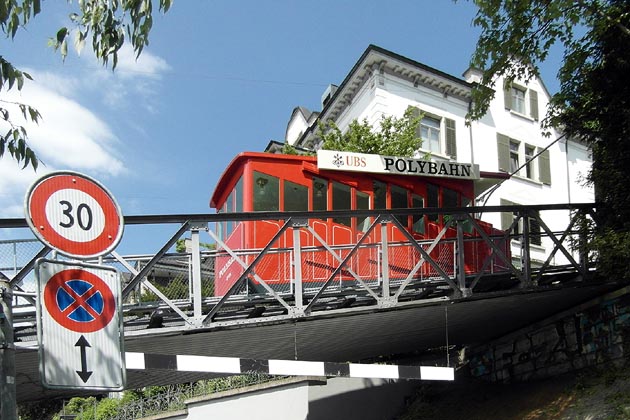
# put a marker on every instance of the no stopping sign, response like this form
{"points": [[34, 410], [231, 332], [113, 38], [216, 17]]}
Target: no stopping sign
{"points": [[74, 214]]}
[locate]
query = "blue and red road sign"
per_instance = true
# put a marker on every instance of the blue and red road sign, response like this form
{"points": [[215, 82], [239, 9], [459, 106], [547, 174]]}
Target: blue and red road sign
{"points": [[80, 330], [79, 301]]}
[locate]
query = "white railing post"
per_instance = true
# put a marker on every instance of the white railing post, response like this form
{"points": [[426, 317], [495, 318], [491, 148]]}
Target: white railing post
{"points": [[196, 271], [297, 264]]}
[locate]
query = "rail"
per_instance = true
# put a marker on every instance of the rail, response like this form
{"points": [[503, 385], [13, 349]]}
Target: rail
{"points": [[296, 267]]}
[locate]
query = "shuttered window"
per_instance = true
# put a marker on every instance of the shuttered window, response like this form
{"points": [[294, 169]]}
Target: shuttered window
{"points": [[438, 134], [451, 139], [521, 100], [533, 104], [511, 152], [503, 148], [544, 168]]}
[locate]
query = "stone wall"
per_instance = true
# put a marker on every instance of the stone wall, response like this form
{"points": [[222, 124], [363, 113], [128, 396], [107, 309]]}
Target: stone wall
{"points": [[591, 335]]}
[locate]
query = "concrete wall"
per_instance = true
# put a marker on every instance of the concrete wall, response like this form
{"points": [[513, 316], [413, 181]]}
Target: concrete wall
{"points": [[592, 335], [303, 399]]}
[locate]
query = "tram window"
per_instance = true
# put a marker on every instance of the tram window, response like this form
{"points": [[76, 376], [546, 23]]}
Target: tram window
{"points": [[295, 197], [238, 196], [363, 203], [433, 200], [399, 201], [266, 192], [417, 202], [449, 198], [341, 201], [229, 208], [380, 195], [320, 194]]}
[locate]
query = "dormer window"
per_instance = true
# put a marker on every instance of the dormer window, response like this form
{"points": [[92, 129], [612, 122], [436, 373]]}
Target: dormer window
{"points": [[521, 101], [518, 100]]}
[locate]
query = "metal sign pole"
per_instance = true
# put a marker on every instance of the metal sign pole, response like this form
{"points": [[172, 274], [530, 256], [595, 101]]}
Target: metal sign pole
{"points": [[8, 408]]}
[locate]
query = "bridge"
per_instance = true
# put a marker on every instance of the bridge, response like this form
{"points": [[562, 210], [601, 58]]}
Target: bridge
{"points": [[430, 306]]}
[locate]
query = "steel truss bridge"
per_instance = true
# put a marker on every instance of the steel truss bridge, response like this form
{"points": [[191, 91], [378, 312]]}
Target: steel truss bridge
{"points": [[350, 313]]}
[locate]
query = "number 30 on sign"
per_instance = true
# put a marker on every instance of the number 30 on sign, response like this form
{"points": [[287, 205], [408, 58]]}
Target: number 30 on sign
{"points": [[74, 214]]}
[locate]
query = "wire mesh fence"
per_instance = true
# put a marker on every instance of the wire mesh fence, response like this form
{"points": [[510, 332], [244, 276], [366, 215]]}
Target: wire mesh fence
{"points": [[173, 397]]}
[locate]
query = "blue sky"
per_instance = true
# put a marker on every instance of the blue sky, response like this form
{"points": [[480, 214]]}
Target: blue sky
{"points": [[218, 78]]}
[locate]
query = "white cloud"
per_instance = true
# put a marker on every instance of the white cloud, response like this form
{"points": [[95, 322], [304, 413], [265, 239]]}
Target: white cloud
{"points": [[69, 136], [133, 80], [147, 65], [72, 134]]}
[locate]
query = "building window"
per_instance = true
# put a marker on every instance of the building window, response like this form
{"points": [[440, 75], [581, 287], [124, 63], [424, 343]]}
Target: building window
{"points": [[514, 162], [529, 161], [518, 100], [430, 134], [438, 134], [521, 100], [512, 152], [507, 220]]}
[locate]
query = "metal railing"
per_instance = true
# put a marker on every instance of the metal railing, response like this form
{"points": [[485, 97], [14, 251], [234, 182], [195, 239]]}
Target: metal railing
{"points": [[174, 397], [297, 263]]}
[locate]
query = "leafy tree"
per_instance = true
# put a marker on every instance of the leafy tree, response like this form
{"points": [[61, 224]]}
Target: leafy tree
{"points": [[106, 22], [593, 103], [394, 136], [180, 245]]}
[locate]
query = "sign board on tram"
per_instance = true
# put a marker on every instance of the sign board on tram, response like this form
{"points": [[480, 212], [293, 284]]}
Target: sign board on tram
{"points": [[74, 214], [80, 326]]}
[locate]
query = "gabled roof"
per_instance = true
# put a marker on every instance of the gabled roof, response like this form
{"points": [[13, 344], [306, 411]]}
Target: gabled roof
{"points": [[377, 59]]}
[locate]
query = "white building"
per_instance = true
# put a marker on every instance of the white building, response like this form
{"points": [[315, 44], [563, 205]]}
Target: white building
{"points": [[383, 83]]}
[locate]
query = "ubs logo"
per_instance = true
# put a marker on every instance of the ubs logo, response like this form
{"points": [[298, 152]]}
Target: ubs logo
{"points": [[351, 161]]}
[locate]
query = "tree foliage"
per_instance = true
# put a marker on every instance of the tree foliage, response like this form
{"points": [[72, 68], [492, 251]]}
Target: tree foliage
{"points": [[517, 35], [393, 137], [107, 22], [593, 103]]}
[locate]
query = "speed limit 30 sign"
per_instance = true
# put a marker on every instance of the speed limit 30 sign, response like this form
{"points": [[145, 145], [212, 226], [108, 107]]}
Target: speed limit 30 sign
{"points": [[74, 214]]}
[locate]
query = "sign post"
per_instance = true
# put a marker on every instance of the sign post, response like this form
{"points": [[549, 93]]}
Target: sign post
{"points": [[79, 306]]}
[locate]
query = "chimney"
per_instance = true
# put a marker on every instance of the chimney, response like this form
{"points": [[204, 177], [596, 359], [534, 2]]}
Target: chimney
{"points": [[328, 94]]}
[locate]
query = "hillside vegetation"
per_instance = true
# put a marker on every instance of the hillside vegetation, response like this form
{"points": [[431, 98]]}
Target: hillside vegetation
{"points": [[587, 395]]}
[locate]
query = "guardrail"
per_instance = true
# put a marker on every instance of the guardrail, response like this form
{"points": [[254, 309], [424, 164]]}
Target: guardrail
{"points": [[299, 264]]}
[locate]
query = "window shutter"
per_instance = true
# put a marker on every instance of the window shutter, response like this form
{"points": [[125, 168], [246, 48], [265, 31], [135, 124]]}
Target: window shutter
{"points": [[507, 95], [503, 149], [506, 217], [415, 113], [544, 168], [451, 139], [533, 104]]}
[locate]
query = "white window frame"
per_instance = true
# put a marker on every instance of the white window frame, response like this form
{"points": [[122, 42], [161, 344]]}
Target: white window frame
{"points": [[431, 129], [519, 104]]}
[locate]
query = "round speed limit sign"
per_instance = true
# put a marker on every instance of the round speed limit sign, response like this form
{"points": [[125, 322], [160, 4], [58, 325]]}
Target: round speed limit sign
{"points": [[74, 214]]}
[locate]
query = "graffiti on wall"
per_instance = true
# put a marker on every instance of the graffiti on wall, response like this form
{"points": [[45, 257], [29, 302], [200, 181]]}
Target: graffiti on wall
{"points": [[597, 335]]}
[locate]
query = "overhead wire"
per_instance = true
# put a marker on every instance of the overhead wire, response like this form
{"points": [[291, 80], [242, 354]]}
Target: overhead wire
{"points": [[483, 198]]}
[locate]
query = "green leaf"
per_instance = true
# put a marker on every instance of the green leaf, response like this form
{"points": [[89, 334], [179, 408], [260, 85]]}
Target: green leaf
{"points": [[61, 35]]}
